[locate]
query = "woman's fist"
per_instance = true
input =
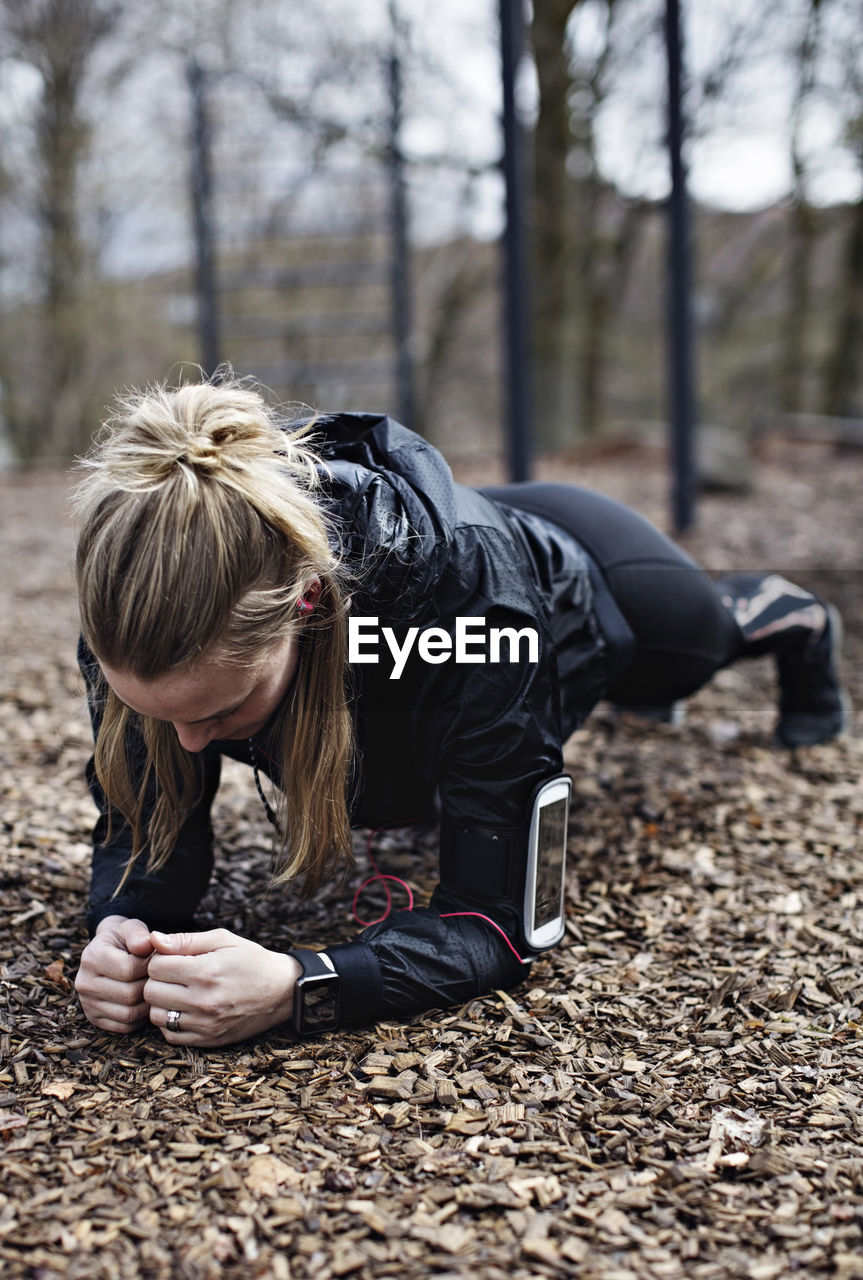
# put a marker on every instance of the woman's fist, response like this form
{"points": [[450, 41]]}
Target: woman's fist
{"points": [[112, 973]]}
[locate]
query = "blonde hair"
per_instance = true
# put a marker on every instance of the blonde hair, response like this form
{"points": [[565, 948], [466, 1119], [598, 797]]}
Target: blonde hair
{"points": [[200, 531]]}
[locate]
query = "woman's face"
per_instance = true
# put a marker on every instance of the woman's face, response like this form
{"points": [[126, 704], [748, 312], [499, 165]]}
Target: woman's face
{"points": [[211, 698]]}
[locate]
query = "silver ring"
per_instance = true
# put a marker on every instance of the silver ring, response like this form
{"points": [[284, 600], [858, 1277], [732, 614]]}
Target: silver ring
{"points": [[172, 1022]]}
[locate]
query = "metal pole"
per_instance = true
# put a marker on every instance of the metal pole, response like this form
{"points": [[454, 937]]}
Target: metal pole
{"points": [[516, 356], [680, 329], [400, 263], [202, 213]]}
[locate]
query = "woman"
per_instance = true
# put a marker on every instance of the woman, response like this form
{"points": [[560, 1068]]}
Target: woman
{"points": [[229, 565]]}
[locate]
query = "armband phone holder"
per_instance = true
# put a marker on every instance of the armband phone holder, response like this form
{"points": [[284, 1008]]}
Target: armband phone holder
{"points": [[517, 873]]}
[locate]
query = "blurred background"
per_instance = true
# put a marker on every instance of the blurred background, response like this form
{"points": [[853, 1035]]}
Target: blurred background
{"points": [[314, 192]]}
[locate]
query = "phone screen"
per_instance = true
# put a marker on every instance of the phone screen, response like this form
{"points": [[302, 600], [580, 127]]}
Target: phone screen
{"points": [[551, 847]]}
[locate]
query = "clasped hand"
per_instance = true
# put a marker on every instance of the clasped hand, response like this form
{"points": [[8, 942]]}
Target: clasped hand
{"points": [[225, 988]]}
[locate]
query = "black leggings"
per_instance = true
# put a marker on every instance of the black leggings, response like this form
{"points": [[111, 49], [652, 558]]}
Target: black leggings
{"points": [[683, 632]]}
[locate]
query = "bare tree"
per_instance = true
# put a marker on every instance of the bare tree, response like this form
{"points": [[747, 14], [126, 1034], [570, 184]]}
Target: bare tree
{"points": [[803, 223], [841, 394], [602, 236], [555, 383], [57, 38], [585, 234], [841, 391]]}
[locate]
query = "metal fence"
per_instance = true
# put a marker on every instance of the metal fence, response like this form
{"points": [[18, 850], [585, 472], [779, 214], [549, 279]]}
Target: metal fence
{"points": [[302, 274]]}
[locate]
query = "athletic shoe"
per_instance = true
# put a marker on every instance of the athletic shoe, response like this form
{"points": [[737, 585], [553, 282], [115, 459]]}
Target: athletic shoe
{"points": [[813, 707]]}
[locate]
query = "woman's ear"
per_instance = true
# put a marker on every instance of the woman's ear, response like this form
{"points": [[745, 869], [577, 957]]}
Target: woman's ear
{"points": [[311, 595]]}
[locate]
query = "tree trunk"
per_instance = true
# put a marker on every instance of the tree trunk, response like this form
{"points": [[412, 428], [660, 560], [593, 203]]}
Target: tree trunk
{"points": [[62, 143], [58, 39], [842, 374], [553, 347], [803, 231], [597, 245], [606, 286]]}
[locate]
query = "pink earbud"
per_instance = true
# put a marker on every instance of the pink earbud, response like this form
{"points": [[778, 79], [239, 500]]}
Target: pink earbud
{"points": [[305, 606]]}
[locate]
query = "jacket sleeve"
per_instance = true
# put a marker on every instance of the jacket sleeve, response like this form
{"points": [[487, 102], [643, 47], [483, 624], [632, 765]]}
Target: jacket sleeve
{"points": [[487, 734], [496, 733], [163, 899], [418, 960]]}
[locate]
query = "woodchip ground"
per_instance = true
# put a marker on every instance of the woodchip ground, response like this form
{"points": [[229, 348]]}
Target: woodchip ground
{"points": [[675, 1092]]}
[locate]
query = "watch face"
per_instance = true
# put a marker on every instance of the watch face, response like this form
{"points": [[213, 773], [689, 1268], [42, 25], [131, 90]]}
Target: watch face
{"points": [[319, 997]]}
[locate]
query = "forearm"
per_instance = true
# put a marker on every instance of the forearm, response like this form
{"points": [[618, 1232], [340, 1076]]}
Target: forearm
{"points": [[418, 960], [164, 899]]}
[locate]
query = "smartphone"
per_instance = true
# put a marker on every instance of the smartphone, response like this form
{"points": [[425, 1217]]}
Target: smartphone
{"points": [[546, 865]]}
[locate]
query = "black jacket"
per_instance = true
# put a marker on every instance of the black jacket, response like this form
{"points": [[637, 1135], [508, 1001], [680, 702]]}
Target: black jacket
{"points": [[472, 740]]}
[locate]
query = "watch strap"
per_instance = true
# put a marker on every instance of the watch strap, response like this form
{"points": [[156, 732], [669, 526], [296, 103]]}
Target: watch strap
{"points": [[313, 963]]}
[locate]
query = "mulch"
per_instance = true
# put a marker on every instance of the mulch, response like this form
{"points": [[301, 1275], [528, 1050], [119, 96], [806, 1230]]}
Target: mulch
{"points": [[675, 1091]]}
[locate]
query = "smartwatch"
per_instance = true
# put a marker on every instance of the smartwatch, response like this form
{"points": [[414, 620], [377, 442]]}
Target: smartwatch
{"points": [[316, 995]]}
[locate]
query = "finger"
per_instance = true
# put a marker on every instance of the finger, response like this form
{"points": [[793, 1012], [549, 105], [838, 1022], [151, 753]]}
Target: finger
{"points": [[117, 1028], [159, 1018], [194, 1039], [119, 965], [192, 944], [180, 969], [125, 935], [138, 941], [107, 991], [167, 995], [118, 1018], [107, 955]]}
